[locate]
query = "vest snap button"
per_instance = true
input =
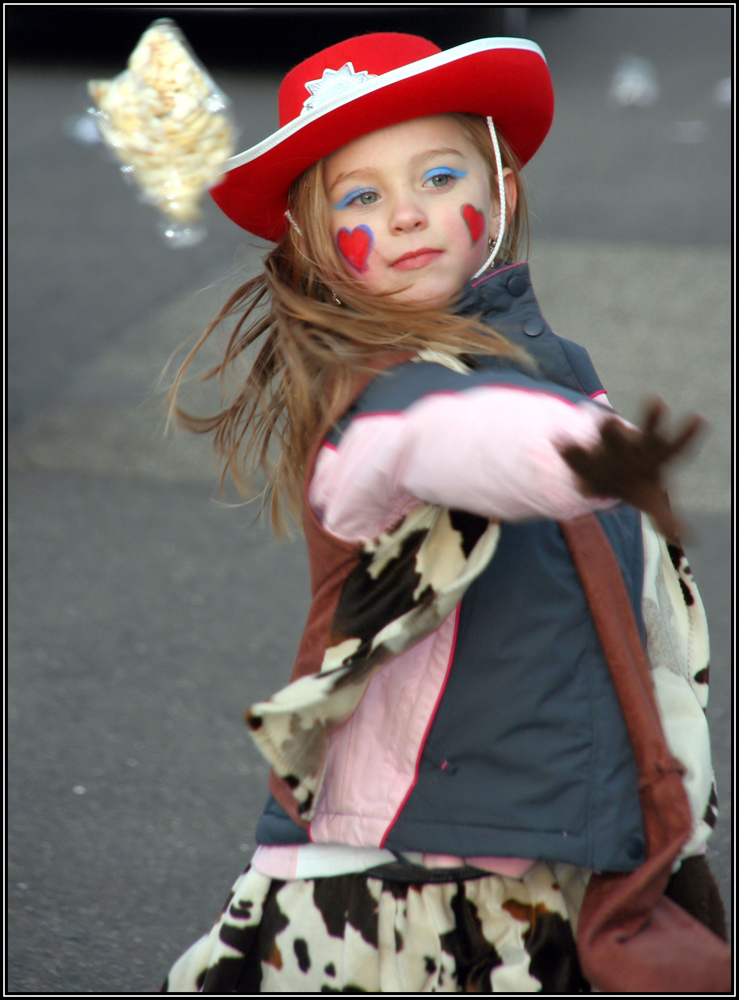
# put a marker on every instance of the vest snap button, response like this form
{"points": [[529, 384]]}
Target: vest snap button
{"points": [[517, 285], [534, 326]]}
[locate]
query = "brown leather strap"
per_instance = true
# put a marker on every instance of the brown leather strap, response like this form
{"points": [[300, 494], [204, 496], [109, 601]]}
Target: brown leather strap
{"points": [[630, 937], [600, 575]]}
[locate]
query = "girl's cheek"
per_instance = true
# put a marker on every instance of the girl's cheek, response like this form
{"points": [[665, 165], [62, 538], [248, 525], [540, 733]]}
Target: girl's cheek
{"points": [[355, 246], [475, 221]]}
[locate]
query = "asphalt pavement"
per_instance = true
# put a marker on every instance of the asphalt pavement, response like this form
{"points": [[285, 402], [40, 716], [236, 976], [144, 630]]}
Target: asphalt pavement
{"points": [[145, 613]]}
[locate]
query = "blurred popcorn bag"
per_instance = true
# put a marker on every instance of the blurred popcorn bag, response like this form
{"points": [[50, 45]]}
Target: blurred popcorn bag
{"points": [[167, 124]]}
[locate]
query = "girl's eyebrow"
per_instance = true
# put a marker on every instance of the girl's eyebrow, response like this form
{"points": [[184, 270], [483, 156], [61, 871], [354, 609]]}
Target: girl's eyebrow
{"points": [[437, 152], [359, 172]]}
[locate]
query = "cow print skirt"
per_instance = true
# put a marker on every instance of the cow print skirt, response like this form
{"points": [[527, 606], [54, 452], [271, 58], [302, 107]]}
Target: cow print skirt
{"points": [[360, 934]]}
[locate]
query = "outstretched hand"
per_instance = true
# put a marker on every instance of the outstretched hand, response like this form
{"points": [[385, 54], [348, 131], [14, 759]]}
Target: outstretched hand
{"points": [[626, 464]]}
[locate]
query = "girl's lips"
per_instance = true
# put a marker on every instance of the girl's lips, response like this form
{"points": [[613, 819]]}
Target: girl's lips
{"points": [[419, 258]]}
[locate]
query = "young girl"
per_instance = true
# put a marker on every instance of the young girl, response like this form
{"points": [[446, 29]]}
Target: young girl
{"points": [[450, 762]]}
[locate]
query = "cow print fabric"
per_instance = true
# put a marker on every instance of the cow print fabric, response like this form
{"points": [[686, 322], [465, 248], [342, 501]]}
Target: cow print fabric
{"points": [[358, 934], [407, 581]]}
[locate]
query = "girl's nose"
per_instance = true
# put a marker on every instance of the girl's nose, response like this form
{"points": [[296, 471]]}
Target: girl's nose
{"points": [[407, 215]]}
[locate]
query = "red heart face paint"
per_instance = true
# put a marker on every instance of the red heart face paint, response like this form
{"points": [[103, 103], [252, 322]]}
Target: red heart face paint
{"points": [[355, 246], [475, 220]]}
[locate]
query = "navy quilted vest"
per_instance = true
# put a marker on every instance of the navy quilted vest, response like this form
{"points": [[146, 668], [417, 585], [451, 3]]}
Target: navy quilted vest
{"points": [[528, 754]]}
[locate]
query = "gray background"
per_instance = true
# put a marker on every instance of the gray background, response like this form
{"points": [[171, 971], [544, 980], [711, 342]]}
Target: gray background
{"points": [[145, 614]]}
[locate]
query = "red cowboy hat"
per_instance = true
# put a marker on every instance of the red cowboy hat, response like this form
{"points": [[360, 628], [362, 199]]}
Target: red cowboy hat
{"points": [[370, 82]]}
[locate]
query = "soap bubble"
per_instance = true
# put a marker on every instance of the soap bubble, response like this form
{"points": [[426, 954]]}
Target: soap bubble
{"points": [[634, 83], [690, 133], [722, 92], [82, 129], [179, 236]]}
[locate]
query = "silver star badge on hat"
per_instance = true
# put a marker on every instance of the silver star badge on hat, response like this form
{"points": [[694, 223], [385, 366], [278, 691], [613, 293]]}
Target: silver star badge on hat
{"points": [[333, 84]]}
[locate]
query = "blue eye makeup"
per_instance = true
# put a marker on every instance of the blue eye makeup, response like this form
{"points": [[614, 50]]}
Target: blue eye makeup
{"points": [[352, 196], [444, 172]]}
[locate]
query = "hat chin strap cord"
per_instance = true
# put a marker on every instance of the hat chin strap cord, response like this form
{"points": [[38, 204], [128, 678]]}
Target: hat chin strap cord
{"points": [[501, 196]]}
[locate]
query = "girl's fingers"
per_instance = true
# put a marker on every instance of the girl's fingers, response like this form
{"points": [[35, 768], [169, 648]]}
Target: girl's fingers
{"points": [[650, 445], [691, 429], [654, 411]]}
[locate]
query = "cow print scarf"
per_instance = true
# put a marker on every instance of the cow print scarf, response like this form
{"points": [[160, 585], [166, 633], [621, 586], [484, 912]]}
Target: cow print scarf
{"points": [[406, 583]]}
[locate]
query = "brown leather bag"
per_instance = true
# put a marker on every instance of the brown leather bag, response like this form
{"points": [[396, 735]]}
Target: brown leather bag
{"points": [[630, 937]]}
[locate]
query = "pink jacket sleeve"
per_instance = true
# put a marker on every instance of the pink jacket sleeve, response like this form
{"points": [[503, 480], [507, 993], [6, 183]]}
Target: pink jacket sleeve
{"points": [[490, 450]]}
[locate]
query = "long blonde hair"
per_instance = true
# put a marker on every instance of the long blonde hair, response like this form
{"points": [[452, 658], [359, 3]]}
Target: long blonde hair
{"points": [[317, 331]]}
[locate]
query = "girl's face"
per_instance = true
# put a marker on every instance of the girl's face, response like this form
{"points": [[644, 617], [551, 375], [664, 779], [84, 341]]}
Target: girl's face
{"points": [[411, 208]]}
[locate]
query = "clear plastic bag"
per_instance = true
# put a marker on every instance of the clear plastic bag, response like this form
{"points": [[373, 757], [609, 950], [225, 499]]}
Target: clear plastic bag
{"points": [[168, 125]]}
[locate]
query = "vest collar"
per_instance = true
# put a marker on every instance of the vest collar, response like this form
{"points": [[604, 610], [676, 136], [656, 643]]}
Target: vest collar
{"points": [[497, 290]]}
